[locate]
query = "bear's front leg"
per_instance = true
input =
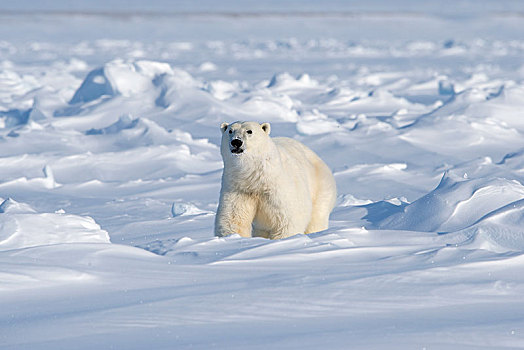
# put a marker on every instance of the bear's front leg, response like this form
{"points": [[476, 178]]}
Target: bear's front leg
{"points": [[235, 214]]}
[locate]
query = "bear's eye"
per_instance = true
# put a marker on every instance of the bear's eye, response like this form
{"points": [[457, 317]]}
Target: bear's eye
{"points": [[230, 131], [249, 132]]}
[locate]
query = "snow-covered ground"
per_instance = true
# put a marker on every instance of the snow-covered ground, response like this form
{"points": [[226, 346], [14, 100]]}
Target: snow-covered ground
{"points": [[110, 174]]}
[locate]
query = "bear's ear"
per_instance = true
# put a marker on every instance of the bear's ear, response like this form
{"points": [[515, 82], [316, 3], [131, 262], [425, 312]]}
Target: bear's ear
{"points": [[224, 126], [266, 127]]}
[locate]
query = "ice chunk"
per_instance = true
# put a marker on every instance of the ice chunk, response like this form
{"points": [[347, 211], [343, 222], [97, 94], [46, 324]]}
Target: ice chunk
{"points": [[15, 117], [445, 87], [185, 209], [93, 87]]}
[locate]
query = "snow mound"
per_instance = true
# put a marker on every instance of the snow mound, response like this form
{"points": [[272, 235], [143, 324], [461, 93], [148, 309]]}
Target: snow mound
{"points": [[265, 105], [22, 227], [11, 206], [130, 132], [221, 90], [499, 231], [120, 78], [456, 203], [123, 123], [316, 123], [285, 81]]}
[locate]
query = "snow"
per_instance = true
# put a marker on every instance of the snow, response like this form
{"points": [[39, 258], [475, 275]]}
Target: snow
{"points": [[110, 174]]}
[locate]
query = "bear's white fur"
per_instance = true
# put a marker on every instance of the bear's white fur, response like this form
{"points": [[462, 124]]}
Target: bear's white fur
{"points": [[271, 187]]}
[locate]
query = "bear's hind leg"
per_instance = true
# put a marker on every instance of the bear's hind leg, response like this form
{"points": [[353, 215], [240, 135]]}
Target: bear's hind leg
{"points": [[322, 207]]}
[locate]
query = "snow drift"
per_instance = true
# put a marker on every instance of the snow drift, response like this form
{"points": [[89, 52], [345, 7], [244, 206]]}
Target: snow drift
{"points": [[22, 227], [455, 204], [482, 213]]}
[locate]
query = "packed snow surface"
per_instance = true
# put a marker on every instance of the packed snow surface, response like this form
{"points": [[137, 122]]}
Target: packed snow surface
{"points": [[110, 175]]}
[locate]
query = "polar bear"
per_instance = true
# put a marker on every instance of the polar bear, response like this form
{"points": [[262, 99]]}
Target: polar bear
{"points": [[271, 187]]}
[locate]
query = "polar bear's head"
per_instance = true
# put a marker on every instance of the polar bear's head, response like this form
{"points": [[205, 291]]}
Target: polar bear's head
{"points": [[240, 138]]}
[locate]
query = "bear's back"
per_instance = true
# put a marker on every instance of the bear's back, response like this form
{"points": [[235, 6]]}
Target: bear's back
{"points": [[300, 160], [294, 150]]}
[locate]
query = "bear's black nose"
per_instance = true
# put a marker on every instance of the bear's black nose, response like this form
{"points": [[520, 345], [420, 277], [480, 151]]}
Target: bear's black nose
{"points": [[236, 143]]}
